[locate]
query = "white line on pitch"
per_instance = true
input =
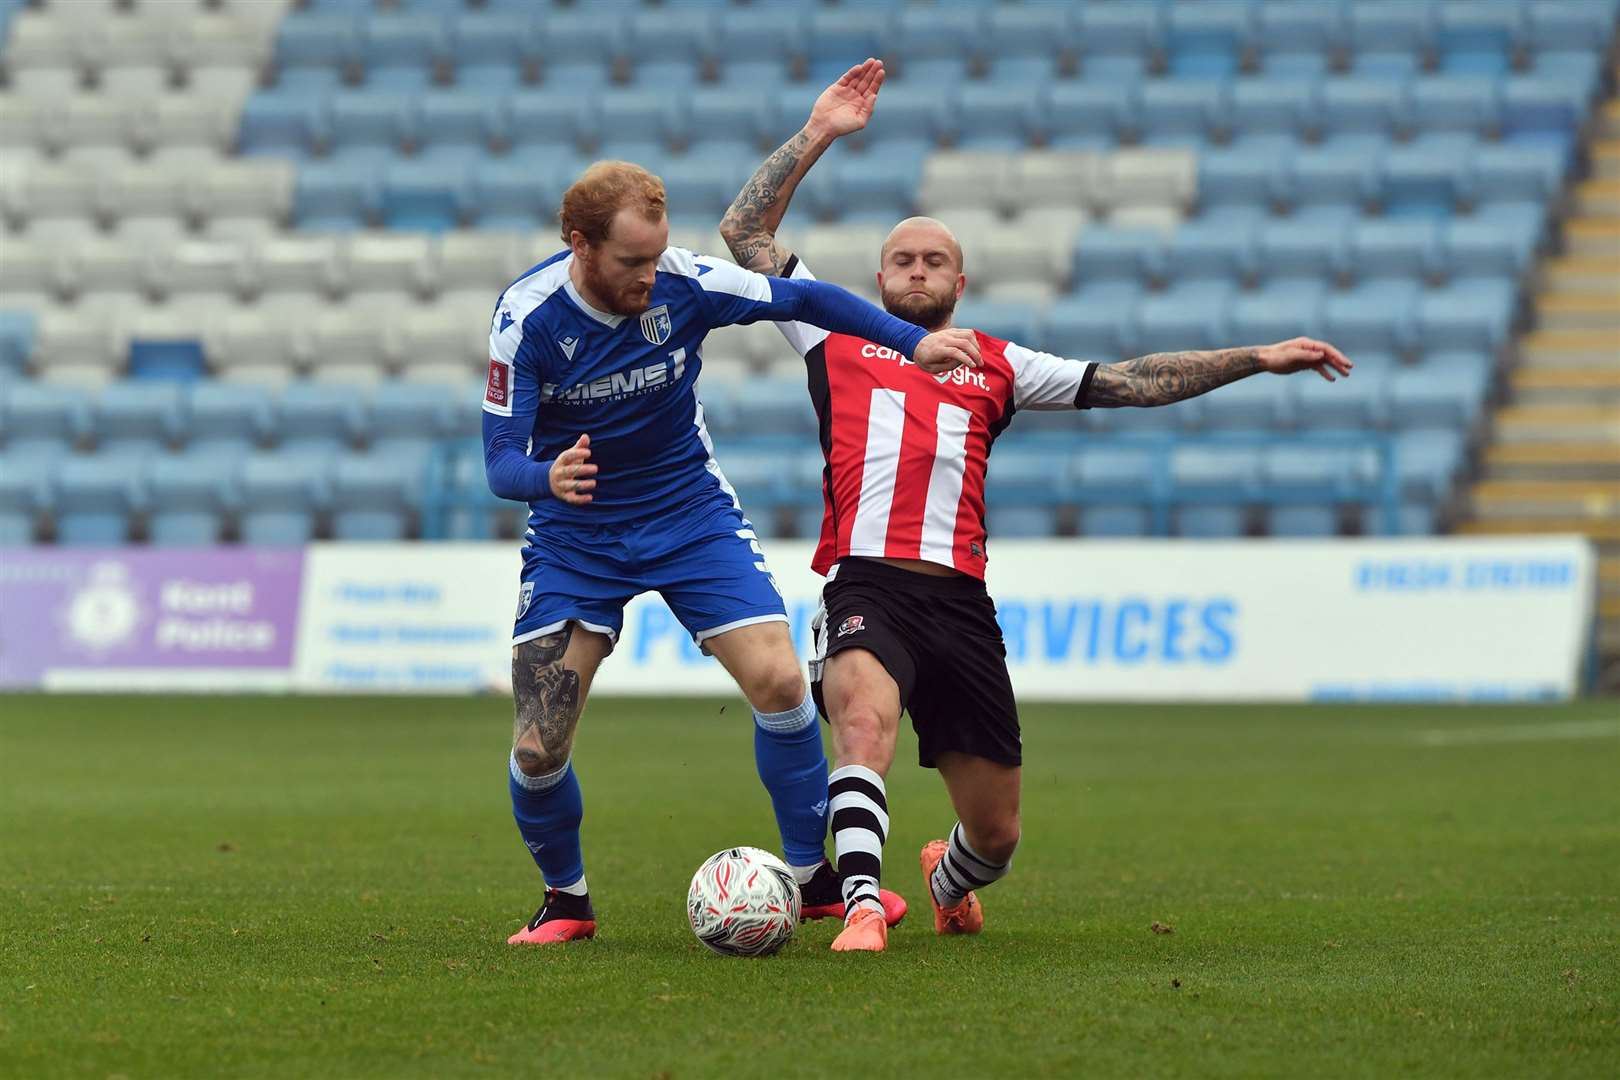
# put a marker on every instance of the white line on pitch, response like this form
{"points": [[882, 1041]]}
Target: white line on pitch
{"points": [[1512, 733]]}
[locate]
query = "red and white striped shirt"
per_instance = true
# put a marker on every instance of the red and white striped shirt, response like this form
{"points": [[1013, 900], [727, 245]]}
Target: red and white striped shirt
{"points": [[907, 451]]}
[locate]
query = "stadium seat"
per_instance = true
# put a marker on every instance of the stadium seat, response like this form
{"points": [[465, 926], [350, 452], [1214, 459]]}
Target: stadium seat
{"points": [[1079, 328], [1438, 394], [386, 261], [1421, 181], [52, 415], [1427, 461], [1210, 250], [94, 498], [1089, 115], [1516, 172], [280, 496], [1485, 247], [717, 114], [188, 495], [1394, 248], [1157, 177], [1364, 107], [281, 124], [1021, 522], [1115, 521], [1014, 322], [1120, 29], [774, 406], [1274, 106], [335, 196], [137, 418], [22, 488], [554, 118], [372, 497], [1211, 522], [837, 38], [1000, 116], [1257, 403], [1455, 104], [1280, 310], [1376, 315], [1027, 30], [1467, 314], [1567, 24], [877, 188], [318, 418], [1288, 249], [1358, 403], [1182, 111], [1052, 178], [1308, 520]]}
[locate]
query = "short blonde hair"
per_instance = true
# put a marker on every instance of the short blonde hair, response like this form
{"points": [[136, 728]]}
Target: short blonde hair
{"points": [[590, 203]]}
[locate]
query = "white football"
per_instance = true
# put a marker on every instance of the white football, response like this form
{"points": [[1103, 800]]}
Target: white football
{"points": [[743, 902]]}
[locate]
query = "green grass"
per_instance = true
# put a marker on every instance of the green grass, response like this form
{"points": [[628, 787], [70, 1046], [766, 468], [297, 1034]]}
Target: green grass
{"points": [[322, 887]]}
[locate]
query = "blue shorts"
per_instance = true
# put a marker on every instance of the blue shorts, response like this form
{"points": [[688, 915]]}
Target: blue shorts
{"points": [[703, 560]]}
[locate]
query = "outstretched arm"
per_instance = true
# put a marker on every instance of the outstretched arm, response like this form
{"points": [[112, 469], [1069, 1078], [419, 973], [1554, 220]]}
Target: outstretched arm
{"points": [[749, 227], [1164, 378]]}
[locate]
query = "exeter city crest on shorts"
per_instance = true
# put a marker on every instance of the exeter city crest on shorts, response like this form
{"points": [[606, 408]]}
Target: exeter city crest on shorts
{"points": [[851, 625], [655, 324]]}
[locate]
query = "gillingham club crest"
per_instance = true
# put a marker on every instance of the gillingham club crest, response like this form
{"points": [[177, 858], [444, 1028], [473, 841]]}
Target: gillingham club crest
{"points": [[655, 324]]}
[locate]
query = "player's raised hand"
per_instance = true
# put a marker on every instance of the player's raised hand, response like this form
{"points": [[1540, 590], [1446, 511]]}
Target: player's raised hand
{"points": [[571, 473], [1301, 354], [847, 104], [947, 350]]}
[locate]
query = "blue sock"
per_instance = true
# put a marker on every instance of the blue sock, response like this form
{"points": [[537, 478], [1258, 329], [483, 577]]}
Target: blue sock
{"points": [[793, 767], [548, 810]]}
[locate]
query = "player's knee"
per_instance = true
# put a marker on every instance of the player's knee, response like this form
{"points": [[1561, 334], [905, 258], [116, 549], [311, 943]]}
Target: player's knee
{"points": [[999, 839], [778, 690], [535, 760]]}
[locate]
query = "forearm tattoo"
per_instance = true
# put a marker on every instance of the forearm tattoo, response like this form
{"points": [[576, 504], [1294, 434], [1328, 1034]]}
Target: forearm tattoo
{"points": [[749, 227], [547, 699], [1162, 378]]}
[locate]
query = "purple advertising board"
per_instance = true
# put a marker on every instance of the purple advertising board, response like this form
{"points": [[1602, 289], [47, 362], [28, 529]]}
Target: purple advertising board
{"points": [[121, 618]]}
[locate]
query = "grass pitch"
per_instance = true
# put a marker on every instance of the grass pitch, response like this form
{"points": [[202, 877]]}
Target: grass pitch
{"points": [[322, 887]]}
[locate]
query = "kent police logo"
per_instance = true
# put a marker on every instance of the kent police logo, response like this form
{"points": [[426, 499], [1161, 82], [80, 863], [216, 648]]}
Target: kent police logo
{"points": [[655, 324]]}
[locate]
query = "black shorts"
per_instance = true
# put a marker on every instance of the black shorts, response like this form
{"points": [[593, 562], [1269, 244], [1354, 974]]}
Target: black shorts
{"points": [[939, 640]]}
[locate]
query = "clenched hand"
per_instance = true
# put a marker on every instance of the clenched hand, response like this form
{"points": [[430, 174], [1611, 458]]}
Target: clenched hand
{"points": [[947, 350], [571, 473]]}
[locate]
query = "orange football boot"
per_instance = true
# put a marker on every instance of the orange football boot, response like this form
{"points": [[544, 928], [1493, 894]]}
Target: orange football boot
{"points": [[563, 917], [966, 917], [864, 931], [822, 898]]}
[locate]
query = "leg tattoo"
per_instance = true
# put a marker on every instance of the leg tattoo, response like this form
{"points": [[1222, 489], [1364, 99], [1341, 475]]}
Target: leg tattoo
{"points": [[547, 699]]}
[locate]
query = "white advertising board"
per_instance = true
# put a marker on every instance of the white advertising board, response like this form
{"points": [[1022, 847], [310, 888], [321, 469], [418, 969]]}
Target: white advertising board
{"points": [[1453, 619]]}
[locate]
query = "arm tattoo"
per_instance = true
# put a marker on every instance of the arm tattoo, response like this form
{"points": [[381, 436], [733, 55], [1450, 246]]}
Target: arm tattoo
{"points": [[1162, 378], [547, 699], [749, 227]]}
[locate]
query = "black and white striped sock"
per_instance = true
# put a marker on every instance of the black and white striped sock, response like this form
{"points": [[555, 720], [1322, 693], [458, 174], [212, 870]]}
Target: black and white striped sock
{"points": [[962, 870], [860, 825]]}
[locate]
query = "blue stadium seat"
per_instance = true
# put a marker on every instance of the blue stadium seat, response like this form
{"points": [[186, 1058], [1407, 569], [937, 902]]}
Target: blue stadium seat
{"points": [[1241, 177], [1295, 65], [316, 40], [188, 495], [137, 418], [772, 406], [428, 195], [23, 489], [226, 419], [772, 35], [1216, 250], [1287, 27], [1507, 172], [390, 40], [1407, 26], [281, 123], [335, 196], [725, 115], [1358, 403], [489, 40], [281, 495], [594, 36], [1000, 116], [1111, 474], [17, 333], [640, 116], [1355, 106], [1328, 474], [699, 188], [1021, 522], [1427, 461], [1215, 472], [1375, 316], [514, 194], [1422, 181], [1438, 394], [1258, 403], [1535, 105], [1278, 311], [1091, 114], [840, 37], [1211, 522], [458, 124], [1302, 520], [1473, 313], [749, 75], [1006, 320], [1115, 521], [1182, 111], [759, 477], [1206, 40], [1568, 24], [373, 497], [318, 417], [1296, 249], [877, 186], [1394, 248], [94, 498], [686, 35], [929, 34], [492, 81], [553, 118], [1483, 247], [1455, 105], [1104, 254], [1132, 29], [1191, 315], [1027, 30], [44, 413], [1274, 106], [916, 113], [1079, 328], [364, 123], [1328, 176], [1478, 31]]}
